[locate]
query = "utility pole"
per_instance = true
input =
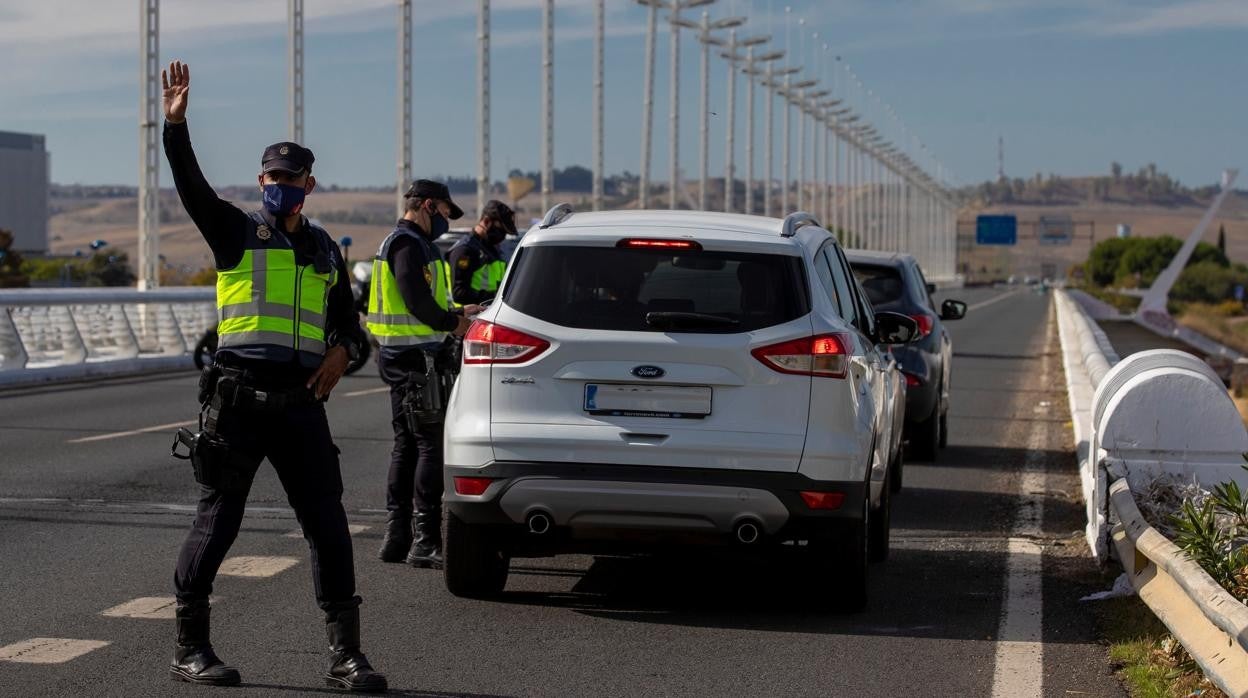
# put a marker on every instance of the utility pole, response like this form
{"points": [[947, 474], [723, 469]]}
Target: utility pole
{"points": [[149, 166], [404, 175], [295, 47], [752, 73], [704, 28], [647, 103], [548, 101], [483, 105], [599, 38], [675, 23]]}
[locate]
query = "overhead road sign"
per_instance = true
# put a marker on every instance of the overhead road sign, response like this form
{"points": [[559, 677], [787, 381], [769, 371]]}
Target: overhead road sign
{"points": [[996, 230]]}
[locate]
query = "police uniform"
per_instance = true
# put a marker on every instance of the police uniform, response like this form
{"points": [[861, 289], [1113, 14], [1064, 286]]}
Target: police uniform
{"points": [[476, 263], [410, 314], [283, 299]]}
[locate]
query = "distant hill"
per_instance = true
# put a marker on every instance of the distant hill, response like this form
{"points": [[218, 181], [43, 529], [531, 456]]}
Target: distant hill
{"points": [[1148, 187]]}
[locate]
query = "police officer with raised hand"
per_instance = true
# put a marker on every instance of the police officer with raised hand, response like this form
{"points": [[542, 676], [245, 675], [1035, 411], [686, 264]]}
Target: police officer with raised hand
{"points": [[477, 265], [287, 331], [410, 314]]}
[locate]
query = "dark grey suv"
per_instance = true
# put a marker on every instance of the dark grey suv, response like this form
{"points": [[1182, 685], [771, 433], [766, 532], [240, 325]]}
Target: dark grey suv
{"points": [[894, 282]]}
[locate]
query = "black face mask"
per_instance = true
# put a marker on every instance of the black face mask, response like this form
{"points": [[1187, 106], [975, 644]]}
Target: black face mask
{"points": [[495, 235], [438, 225]]}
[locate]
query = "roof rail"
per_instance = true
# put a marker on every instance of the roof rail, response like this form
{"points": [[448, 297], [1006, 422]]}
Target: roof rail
{"points": [[556, 215], [794, 221]]}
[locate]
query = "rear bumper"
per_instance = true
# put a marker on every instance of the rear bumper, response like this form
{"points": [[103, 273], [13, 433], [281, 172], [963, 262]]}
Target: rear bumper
{"points": [[604, 502]]}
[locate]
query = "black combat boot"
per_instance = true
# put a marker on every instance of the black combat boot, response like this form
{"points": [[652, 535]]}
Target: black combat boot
{"points": [[193, 658], [398, 540], [348, 667], [427, 550]]}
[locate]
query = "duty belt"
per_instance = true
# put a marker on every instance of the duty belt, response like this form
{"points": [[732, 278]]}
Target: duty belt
{"points": [[234, 391]]}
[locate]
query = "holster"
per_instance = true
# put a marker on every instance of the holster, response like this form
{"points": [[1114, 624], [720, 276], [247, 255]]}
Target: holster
{"points": [[426, 394], [213, 462]]}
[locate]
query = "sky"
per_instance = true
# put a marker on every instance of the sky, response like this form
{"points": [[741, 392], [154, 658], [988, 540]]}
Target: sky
{"points": [[1071, 85]]}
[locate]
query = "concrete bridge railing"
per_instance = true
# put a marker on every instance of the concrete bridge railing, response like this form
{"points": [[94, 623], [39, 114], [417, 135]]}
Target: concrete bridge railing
{"points": [[65, 334]]}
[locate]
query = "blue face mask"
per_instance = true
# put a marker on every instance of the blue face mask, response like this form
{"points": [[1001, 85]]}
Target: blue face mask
{"points": [[283, 199]]}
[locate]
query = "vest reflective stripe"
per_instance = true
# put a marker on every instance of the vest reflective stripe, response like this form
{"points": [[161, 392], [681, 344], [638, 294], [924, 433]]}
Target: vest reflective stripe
{"points": [[489, 276], [269, 299], [388, 319]]}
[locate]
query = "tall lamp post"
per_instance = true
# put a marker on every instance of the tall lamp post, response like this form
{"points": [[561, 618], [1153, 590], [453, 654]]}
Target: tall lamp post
{"points": [[675, 22], [730, 174], [704, 28], [752, 73]]}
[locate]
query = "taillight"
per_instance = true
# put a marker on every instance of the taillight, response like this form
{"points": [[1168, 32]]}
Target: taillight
{"points": [[472, 486], [912, 380], [658, 244], [926, 323], [823, 500], [823, 355], [487, 343]]}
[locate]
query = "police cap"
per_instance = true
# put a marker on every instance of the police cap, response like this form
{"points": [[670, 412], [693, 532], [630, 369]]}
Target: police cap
{"points": [[429, 189], [286, 157]]}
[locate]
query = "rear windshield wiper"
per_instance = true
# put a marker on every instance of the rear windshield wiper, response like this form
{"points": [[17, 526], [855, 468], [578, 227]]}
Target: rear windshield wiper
{"points": [[674, 320]]}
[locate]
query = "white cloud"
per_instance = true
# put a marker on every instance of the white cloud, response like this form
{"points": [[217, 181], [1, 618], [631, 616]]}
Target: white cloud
{"points": [[1198, 14]]}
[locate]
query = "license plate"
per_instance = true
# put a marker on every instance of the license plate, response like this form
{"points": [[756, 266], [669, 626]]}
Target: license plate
{"points": [[662, 401]]}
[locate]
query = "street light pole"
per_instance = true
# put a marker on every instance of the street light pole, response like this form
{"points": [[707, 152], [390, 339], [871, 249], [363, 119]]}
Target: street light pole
{"points": [[751, 74], [548, 101], [149, 153], [403, 176], [675, 22], [599, 38], [705, 27], [647, 104], [294, 47], [483, 103]]}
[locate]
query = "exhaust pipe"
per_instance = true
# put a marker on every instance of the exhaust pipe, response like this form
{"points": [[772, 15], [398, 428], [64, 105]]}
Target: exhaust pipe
{"points": [[748, 532], [539, 523]]}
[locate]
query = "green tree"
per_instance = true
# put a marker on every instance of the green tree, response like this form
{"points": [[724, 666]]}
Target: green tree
{"points": [[11, 275], [1115, 169], [1222, 239], [1208, 282]]}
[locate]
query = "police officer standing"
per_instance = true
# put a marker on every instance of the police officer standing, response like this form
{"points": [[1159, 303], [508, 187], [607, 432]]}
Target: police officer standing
{"points": [[410, 314], [477, 264], [287, 331]]}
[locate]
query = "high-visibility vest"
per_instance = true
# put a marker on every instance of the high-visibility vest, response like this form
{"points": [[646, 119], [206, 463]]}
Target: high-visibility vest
{"points": [[489, 275], [388, 317], [268, 300]]}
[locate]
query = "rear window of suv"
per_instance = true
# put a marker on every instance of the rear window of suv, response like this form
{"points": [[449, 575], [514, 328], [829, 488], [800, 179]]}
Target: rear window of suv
{"points": [[608, 288], [883, 284]]}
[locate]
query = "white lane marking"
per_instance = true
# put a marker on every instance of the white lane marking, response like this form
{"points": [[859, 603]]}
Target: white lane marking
{"points": [[256, 566], [155, 607], [353, 529], [48, 650], [990, 301], [132, 432], [1019, 665], [369, 391]]}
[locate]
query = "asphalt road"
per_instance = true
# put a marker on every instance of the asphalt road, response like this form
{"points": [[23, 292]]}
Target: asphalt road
{"points": [[92, 512]]}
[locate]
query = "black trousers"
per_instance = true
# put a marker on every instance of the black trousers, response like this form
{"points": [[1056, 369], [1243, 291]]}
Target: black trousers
{"points": [[297, 442], [415, 476]]}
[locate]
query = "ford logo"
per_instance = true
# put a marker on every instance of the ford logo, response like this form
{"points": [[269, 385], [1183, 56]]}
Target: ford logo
{"points": [[649, 372]]}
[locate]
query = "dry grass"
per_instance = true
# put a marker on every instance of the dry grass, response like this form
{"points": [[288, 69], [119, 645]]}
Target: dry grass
{"points": [[1144, 655], [1213, 322]]}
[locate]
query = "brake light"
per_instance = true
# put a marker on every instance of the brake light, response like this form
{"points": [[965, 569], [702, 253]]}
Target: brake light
{"points": [[652, 244], [823, 500], [823, 355], [925, 322], [472, 486], [912, 380], [487, 343]]}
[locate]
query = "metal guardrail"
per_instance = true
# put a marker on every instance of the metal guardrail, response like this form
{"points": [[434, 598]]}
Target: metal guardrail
{"points": [[51, 334], [1206, 619]]}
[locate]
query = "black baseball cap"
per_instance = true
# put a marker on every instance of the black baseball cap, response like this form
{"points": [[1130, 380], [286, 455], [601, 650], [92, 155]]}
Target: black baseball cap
{"points": [[429, 189], [502, 213], [286, 157]]}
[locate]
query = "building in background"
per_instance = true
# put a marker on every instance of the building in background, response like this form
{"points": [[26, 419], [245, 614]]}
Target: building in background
{"points": [[24, 168]]}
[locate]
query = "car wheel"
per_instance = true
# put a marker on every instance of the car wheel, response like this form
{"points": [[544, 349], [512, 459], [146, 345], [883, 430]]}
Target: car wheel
{"points": [[879, 526], [925, 438], [475, 565]]}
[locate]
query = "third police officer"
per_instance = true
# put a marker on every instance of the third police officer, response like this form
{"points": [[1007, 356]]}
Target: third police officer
{"points": [[477, 264], [410, 313]]}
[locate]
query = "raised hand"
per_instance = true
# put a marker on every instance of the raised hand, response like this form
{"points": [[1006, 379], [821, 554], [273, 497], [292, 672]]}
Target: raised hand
{"points": [[176, 82]]}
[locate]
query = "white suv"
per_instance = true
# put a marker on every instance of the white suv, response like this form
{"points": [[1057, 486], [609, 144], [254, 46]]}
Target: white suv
{"points": [[664, 376]]}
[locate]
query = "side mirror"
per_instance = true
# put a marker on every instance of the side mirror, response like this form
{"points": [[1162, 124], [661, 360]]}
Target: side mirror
{"points": [[895, 328], [952, 310], [931, 287]]}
